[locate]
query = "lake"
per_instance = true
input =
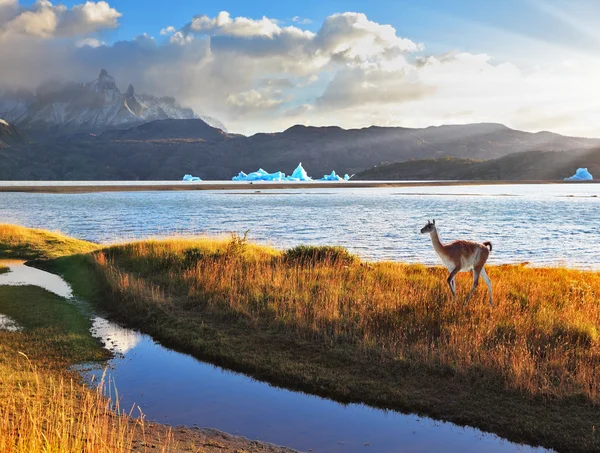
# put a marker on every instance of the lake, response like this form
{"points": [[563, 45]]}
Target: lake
{"points": [[544, 224]]}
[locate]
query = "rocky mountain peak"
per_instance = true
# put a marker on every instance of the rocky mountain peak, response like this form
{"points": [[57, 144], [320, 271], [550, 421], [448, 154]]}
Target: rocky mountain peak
{"points": [[106, 82], [61, 108]]}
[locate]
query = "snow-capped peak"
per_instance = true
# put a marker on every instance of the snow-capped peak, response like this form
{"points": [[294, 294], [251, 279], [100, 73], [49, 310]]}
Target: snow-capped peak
{"points": [[92, 107]]}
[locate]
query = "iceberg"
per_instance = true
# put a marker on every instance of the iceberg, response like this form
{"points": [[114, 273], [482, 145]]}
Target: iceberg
{"points": [[334, 177], [299, 174], [191, 178], [582, 174]]}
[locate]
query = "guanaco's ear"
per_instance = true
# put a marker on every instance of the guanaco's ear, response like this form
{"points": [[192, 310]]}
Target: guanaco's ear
{"points": [[434, 221]]}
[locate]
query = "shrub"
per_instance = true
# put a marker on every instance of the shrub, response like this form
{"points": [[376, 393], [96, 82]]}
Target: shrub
{"points": [[312, 254]]}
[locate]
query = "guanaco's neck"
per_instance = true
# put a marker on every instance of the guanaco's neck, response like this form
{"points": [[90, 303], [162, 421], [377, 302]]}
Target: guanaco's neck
{"points": [[437, 244]]}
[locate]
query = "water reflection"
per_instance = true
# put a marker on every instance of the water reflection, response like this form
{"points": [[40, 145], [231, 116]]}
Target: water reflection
{"points": [[7, 323], [116, 339], [20, 275]]}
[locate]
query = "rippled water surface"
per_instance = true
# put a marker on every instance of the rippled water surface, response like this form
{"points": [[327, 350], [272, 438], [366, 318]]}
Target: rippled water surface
{"points": [[550, 224]]}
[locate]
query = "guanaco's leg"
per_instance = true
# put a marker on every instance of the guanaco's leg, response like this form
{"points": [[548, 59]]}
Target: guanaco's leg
{"points": [[476, 273], [488, 282], [451, 282]]}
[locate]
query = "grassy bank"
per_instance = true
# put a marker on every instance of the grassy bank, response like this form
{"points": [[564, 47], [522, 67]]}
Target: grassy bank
{"points": [[17, 242], [385, 333], [43, 407]]}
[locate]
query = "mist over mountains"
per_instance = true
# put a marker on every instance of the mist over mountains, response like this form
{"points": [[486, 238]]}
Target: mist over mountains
{"points": [[58, 108]]}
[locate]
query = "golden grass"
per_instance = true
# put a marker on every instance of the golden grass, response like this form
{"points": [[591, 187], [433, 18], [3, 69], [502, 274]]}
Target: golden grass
{"points": [[43, 406], [541, 337], [28, 243]]}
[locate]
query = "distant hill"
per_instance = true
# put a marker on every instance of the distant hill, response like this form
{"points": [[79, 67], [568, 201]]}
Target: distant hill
{"points": [[531, 165], [10, 135], [59, 108], [168, 149]]}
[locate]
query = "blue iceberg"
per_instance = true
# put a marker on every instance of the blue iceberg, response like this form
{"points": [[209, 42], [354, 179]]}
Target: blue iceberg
{"points": [[259, 175], [582, 174], [299, 174], [191, 178], [335, 177]]}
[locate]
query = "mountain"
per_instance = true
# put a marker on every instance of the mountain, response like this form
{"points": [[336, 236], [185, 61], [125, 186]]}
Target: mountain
{"points": [[529, 165], [168, 149], [10, 135], [69, 108], [168, 130]]}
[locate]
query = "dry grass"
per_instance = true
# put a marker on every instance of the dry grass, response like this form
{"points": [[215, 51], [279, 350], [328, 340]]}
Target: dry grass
{"points": [[542, 336], [45, 411], [28, 243], [43, 406]]}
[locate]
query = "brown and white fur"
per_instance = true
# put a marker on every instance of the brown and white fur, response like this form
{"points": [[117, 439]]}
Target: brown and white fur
{"points": [[462, 256]]}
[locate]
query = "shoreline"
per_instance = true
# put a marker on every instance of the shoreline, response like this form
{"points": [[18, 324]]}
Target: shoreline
{"points": [[108, 186]]}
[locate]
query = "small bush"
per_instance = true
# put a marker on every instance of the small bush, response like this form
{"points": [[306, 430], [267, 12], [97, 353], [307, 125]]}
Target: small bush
{"points": [[312, 254]]}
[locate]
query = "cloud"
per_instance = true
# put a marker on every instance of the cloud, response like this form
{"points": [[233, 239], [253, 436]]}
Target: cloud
{"points": [[168, 30], [255, 101], [223, 24], [90, 42], [298, 111], [87, 18], [261, 75], [45, 20], [301, 21]]}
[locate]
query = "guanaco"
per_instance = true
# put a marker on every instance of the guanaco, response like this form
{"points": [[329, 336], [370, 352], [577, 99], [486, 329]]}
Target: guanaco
{"points": [[462, 256]]}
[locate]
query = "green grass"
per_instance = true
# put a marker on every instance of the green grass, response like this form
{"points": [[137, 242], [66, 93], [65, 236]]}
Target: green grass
{"points": [[18, 242], [51, 319]]}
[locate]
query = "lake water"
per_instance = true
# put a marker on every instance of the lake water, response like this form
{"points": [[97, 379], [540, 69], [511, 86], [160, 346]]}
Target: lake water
{"points": [[547, 225], [177, 389]]}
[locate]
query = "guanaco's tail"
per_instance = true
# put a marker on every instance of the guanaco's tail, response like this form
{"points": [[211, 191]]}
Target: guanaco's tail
{"points": [[488, 244]]}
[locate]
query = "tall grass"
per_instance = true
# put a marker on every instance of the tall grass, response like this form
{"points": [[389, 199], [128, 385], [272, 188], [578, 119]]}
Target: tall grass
{"points": [[44, 407], [541, 337]]}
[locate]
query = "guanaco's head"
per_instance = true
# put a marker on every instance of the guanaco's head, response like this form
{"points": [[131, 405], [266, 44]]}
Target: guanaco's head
{"points": [[429, 227]]}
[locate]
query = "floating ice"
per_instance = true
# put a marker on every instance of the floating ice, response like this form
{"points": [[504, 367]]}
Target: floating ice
{"points": [[335, 177], [582, 174], [259, 175], [191, 178], [299, 174]]}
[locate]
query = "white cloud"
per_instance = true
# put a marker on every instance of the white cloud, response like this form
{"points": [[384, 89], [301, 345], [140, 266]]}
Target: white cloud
{"points": [[259, 75], [87, 18], [255, 101], [45, 20], [90, 42], [223, 24], [301, 21], [168, 30], [180, 39]]}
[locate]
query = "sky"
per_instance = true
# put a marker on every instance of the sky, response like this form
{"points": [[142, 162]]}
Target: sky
{"points": [[266, 65]]}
